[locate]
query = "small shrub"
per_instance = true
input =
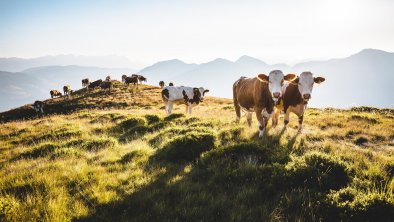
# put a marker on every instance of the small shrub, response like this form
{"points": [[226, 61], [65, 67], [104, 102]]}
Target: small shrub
{"points": [[152, 118], [40, 151], [174, 116], [132, 122], [358, 205], [365, 118], [98, 144], [319, 171], [230, 135], [361, 140], [187, 147]]}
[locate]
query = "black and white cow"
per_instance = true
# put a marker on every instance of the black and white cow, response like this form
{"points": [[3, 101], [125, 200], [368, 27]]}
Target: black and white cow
{"points": [[190, 96], [38, 106]]}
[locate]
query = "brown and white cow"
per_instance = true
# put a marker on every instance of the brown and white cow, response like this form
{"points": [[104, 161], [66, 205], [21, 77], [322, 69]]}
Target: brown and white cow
{"points": [[85, 82], [108, 78], [38, 106], [296, 95], [67, 90], [258, 95], [161, 84], [54, 93], [95, 84]]}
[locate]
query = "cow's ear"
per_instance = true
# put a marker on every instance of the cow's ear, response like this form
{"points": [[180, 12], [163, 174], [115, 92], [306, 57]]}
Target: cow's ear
{"points": [[262, 77], [290, 77], [205, 91], [319, 79], [295, 81]]}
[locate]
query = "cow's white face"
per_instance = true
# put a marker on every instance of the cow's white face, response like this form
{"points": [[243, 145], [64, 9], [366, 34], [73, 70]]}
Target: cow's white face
{"points": [[275, 82], [305, 84]]}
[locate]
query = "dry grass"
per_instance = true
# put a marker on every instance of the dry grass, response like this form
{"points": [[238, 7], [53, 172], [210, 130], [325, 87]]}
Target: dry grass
{"points": [[111, 157]]}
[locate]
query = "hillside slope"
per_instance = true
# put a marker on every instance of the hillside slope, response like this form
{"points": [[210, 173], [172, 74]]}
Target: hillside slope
{"points": [[100, 156]]}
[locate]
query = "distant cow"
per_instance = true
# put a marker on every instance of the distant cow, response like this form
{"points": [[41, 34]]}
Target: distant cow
{"points": [[171, 84], [258, 95], [108, 78], [133, 80], [106, 85], [55, 93], [85, 82], [95, 84], [124, 78], [296, 95], [141, 79], [38, 106], [182, 94], [161, 84], [67, 90]]}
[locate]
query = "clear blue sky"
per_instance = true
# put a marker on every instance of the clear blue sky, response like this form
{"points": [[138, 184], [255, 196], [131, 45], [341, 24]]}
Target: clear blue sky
{"points": [[196, 31]]}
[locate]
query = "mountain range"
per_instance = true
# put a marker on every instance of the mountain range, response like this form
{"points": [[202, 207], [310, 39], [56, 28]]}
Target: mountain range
{"points": [[365, 78]]}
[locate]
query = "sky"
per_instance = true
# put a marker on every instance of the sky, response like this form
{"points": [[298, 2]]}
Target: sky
{"points": [[275, 31]]}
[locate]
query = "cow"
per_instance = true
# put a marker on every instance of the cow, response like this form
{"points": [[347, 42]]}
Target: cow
{"points": [[124, 78], [95, 84], [67, 90], [85, 82], [133, 80], [161, 84], [258, 95], [296, 95], [38, 106], [141, 79], [106, 85], [190, 96], [108, 78], [171, 84], [55, 93]]}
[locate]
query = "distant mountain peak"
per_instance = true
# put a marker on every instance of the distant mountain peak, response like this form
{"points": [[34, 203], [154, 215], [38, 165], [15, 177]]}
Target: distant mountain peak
{"points": [[370, 52]]}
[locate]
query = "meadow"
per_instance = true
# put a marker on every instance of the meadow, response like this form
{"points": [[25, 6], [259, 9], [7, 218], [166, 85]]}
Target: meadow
{"points": [[99, 156]]}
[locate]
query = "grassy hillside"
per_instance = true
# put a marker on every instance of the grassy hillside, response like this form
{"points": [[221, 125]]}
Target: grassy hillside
{"points": [[117, 157]]}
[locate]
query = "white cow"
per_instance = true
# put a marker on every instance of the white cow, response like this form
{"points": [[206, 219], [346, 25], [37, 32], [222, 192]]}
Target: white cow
{"points": [[190, 96]]}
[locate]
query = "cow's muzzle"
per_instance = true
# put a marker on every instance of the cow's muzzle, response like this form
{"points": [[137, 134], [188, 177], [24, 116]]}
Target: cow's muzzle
{"points": [[306, 96], [276, 95]]}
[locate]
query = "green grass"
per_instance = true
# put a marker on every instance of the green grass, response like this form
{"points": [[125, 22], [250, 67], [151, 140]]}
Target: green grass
{"points": [[103, 161]]}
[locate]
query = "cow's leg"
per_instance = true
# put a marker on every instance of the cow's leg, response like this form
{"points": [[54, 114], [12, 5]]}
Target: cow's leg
{"points": [[262, 116], [187, 108], [190, 109], [170, 104], [275, 117], [237, 110], [300, 120], [287, 117], [249, 116]]}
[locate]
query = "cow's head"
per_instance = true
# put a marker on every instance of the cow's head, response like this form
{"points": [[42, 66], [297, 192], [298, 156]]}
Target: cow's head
{"points": [[305, 84], [275, 82], [198, 94]]}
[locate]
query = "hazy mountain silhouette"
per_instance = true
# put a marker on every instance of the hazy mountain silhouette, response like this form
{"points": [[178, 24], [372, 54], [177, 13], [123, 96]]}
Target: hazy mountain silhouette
{"points": [[166, 70], [365, 78], [19, 64]]}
